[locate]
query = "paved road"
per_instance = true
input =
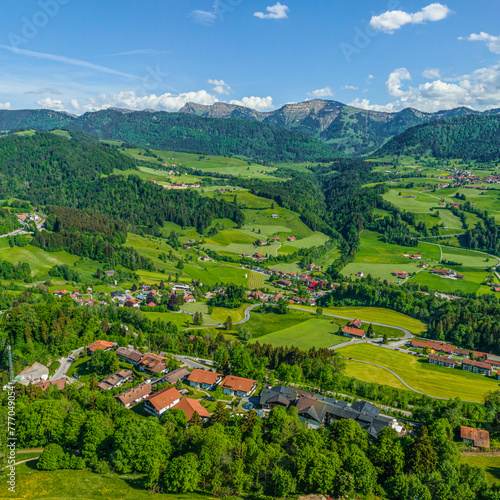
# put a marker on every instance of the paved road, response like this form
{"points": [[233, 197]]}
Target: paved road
{"points": [[219, 325], [403, 382], [189, 361], [247, 314], [65, 364]]}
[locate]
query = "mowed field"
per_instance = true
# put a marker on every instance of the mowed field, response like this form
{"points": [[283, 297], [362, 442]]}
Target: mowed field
{"points": [[432, 380], [32, 484], [374, 315]]}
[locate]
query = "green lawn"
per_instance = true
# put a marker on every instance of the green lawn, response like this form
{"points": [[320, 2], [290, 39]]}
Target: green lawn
{"points": [[33, 484], [314, 332], [368, 373], [182, 320], [221, 314], [375, 315], [490, 464], [419, 374]]}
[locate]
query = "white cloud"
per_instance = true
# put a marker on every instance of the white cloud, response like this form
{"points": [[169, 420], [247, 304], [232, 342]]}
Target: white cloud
{"points": [[220, 87], [65, 60], [204, 17], [431, 73], [492, 42], [326, 92], [139, 52], [349, 87], [392, 20], [394, 82], [49, 103], [479, 89], [277, 11], [257, 103], [4, 105], [129, 100]]}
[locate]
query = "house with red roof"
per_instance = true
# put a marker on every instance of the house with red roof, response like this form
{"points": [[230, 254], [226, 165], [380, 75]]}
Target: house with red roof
{"points": [[475, 437], [99, 345], [134, 395], [355, 333]]}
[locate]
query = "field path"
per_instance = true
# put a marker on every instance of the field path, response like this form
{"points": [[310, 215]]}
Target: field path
{"points": [[403, 382]]}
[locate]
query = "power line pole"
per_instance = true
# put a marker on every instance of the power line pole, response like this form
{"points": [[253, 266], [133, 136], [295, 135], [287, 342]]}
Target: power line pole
{"points": [[11, 368]]}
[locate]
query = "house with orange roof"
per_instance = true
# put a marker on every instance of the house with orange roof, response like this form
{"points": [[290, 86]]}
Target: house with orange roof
{"points": [[204, 379], [99, 345], [189, 406], [356, 333], [134, 395], [45, 384], [158, 403], [238, 386]]}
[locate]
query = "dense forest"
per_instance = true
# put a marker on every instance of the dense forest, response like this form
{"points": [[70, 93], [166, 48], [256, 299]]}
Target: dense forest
{"points": [[471, 137], [194, 134]]}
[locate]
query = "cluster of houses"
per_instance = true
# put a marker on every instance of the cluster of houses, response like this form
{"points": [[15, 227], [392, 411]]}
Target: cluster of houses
{"points": [[26, 217], [483, 363], [176, 185], [446, 273], [317, 411], [146, 295]]}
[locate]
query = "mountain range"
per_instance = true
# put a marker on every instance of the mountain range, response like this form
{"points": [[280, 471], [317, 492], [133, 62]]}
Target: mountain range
{"points": [[197, 128]]}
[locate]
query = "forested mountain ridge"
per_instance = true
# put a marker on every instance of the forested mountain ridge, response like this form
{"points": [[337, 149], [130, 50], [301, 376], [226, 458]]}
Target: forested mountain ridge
{"points": [[472, 137], [353, 131], [204, 129]]}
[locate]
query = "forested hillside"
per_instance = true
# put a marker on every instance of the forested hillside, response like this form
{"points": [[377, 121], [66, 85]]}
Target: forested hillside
{"points": [[47, 169], [472, 137], [193, 134]]}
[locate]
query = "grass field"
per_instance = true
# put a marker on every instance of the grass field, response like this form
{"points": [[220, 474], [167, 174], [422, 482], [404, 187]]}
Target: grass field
{"points": [[368, 373], [490, 464], [221, 314], [314, 332], [182, 320], [418, 373], [33, 484], [375, 315]]}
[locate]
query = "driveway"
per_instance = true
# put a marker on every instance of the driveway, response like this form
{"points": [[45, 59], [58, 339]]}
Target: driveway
{"points": [[65, 364]]}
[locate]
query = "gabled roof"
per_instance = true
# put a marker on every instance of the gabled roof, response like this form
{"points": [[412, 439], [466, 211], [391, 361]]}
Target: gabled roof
{"points": [[140, 391], [45, 384], [365, 407], [189, 406], [478, 364], [100, 344], [131, 354], [176, 375], [164, 398], [204, 376], [278, 395], [234, 383], [353, 331], [479, 437], [355, 323]]}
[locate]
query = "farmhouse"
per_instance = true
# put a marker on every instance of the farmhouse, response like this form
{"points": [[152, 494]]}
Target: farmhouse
{"points": [[476, 437], [134, 395], [348, 331], [355, 323], [400, 274], [238, 386], [189, 406], [128, 355], [204, 379], [158, 403], [99, 345], [277, 396], [442, 361], [476, 367], [291, 238], [115, 380]]}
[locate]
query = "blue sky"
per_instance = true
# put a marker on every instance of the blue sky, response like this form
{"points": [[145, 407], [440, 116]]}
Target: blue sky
{"points": [[381, 55]]}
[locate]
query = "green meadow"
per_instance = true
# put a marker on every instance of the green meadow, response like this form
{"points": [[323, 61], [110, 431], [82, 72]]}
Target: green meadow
{"points": [[418, 373], [490, 464]]}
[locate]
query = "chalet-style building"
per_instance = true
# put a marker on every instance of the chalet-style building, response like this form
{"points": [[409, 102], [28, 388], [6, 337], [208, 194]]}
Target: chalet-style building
{"points": [[115, 380], [189, 406], [134, 395], [204, 379], [475, 437], [161, 401], [99, 345], [277, 396], [476, 367], [442, 361], [129, 355], [238, 386], [355, 323]]}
